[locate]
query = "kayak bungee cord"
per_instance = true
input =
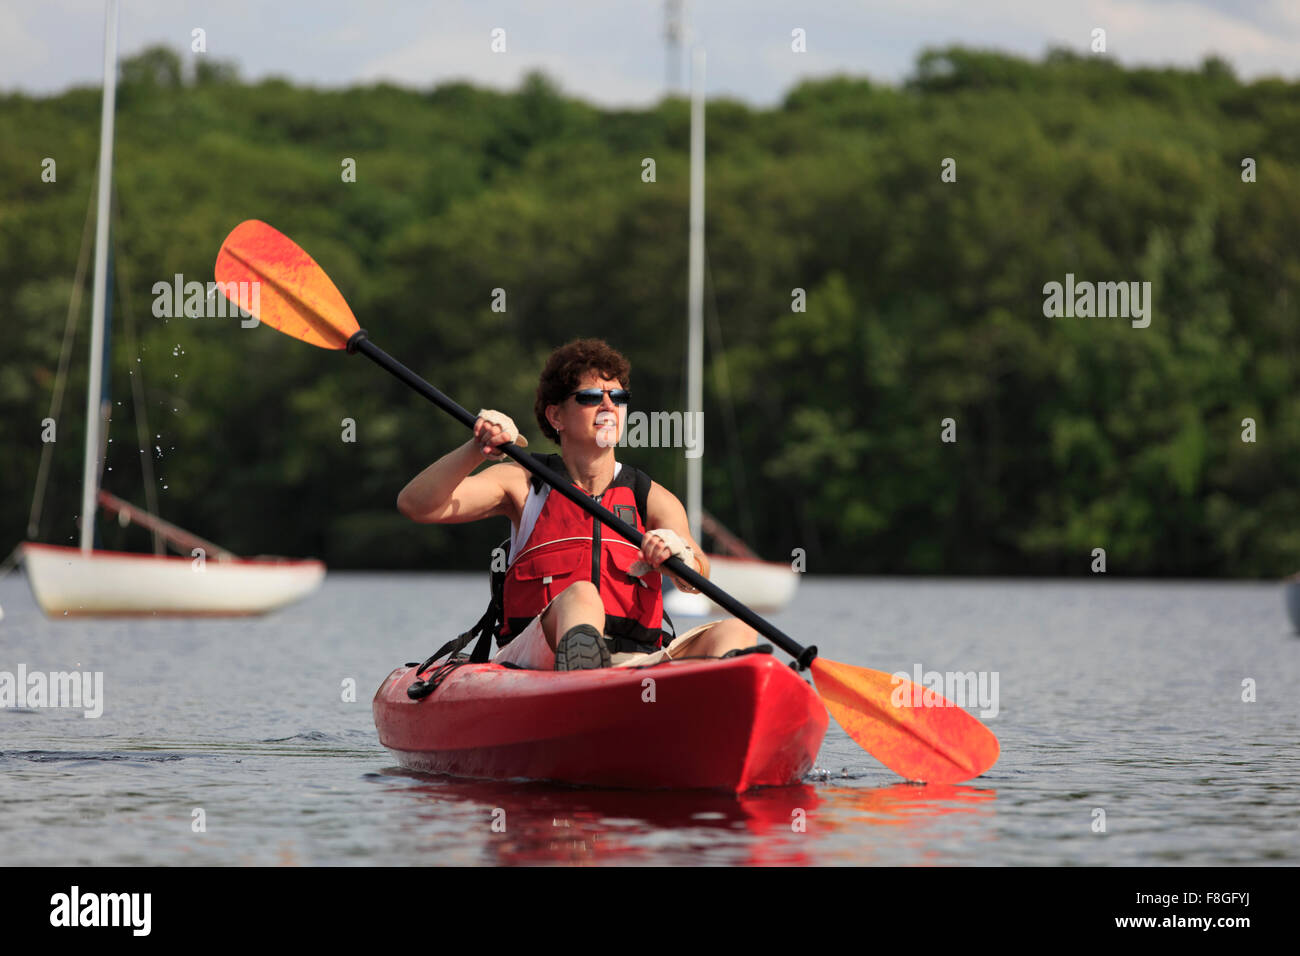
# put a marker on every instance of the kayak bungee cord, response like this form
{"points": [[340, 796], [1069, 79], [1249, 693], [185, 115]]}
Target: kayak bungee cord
{"points": [[275, 280]]}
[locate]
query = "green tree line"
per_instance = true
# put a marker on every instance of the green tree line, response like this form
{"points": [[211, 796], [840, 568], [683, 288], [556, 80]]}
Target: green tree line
{"points": [[924, 302]]}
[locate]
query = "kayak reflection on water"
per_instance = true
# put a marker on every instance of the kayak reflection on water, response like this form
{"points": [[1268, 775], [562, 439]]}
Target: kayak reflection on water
{"points": [[799, 825], [543, 823], [574, 595]]}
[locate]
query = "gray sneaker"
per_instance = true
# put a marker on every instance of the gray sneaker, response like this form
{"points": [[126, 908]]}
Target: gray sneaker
{"points": [[582, 648]]}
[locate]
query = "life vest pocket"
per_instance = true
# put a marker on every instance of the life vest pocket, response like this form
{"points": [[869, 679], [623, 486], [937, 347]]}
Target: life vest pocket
{"points": [[622, 555], [547, 573], [645, 591]]}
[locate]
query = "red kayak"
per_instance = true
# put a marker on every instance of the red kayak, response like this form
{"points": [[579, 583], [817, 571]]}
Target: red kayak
{"points": [[748, 721]]}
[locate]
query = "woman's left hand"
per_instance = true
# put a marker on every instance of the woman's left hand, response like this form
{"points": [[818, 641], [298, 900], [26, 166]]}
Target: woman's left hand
{"points": [[663, 543], [657, 547]]}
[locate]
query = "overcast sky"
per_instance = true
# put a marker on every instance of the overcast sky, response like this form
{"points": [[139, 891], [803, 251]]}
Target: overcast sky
{"points": [[613, 52]]}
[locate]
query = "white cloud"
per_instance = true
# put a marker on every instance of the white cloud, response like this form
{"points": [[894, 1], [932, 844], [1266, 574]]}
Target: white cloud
{"points": [[23, 52], [594, 61], [1183, 33]]}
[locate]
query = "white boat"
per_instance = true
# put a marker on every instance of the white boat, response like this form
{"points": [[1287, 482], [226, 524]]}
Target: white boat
{"points": [[90, 581], [764, 586], [67, 581]]}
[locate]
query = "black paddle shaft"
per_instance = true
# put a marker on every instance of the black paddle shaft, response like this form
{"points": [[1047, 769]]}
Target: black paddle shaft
{"points": [[803, 656]]}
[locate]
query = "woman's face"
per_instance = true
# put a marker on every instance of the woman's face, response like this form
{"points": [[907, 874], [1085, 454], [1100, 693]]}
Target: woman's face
{"points": [[595, 426]]}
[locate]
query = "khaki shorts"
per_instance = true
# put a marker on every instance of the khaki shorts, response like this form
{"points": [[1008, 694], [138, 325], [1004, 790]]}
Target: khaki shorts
{"points": [[529, 649]]}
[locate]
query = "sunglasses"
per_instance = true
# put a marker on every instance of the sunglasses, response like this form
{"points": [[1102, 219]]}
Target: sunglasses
{"points": [[594, 396]]}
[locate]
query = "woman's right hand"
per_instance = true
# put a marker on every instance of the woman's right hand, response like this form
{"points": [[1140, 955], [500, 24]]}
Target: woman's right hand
{"points": [[491, 429]]}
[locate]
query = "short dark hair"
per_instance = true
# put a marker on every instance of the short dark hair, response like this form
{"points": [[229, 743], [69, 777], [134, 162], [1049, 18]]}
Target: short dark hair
{"points": [[564, 371]]}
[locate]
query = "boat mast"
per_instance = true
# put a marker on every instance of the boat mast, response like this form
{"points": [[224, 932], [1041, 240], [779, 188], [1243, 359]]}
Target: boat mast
{"points": [[695, 291], [94, 410], [673, 30]]}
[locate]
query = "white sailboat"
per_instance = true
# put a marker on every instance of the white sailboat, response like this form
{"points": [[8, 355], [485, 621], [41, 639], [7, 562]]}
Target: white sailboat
{"points": [[86, 581], [763, 585]]}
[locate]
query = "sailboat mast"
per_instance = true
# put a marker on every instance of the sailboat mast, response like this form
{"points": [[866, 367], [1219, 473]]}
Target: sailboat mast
{"points": [[695, 291], [90, 474]]}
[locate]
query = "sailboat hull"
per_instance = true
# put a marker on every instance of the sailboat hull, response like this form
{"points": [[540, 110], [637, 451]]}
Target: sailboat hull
{"points": [[765, 586], [67, 581]]}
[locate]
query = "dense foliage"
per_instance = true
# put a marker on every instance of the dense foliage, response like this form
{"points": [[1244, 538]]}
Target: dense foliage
{"points": [[924, 302]]}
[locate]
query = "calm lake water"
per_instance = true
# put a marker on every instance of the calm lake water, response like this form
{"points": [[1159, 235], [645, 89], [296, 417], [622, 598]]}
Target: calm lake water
{"points": [[1124, 698]]}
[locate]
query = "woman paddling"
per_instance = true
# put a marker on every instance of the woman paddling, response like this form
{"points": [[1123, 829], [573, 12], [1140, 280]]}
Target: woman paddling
{"points": [[576, 594]]}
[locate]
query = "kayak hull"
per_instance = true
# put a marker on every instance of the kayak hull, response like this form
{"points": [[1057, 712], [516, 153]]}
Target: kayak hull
{"points": [[731, 724]]}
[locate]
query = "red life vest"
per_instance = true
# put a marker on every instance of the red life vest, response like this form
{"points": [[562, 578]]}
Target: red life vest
{"points": [[567, 545]]}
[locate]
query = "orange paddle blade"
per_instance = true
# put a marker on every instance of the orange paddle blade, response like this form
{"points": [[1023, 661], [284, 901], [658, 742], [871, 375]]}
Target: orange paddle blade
{"points": [[293, 294], [911, 730]]}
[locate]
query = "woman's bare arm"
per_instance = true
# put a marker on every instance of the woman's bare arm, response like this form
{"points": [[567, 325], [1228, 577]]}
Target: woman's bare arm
{"points": [[448, 493], [665, 511]]}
